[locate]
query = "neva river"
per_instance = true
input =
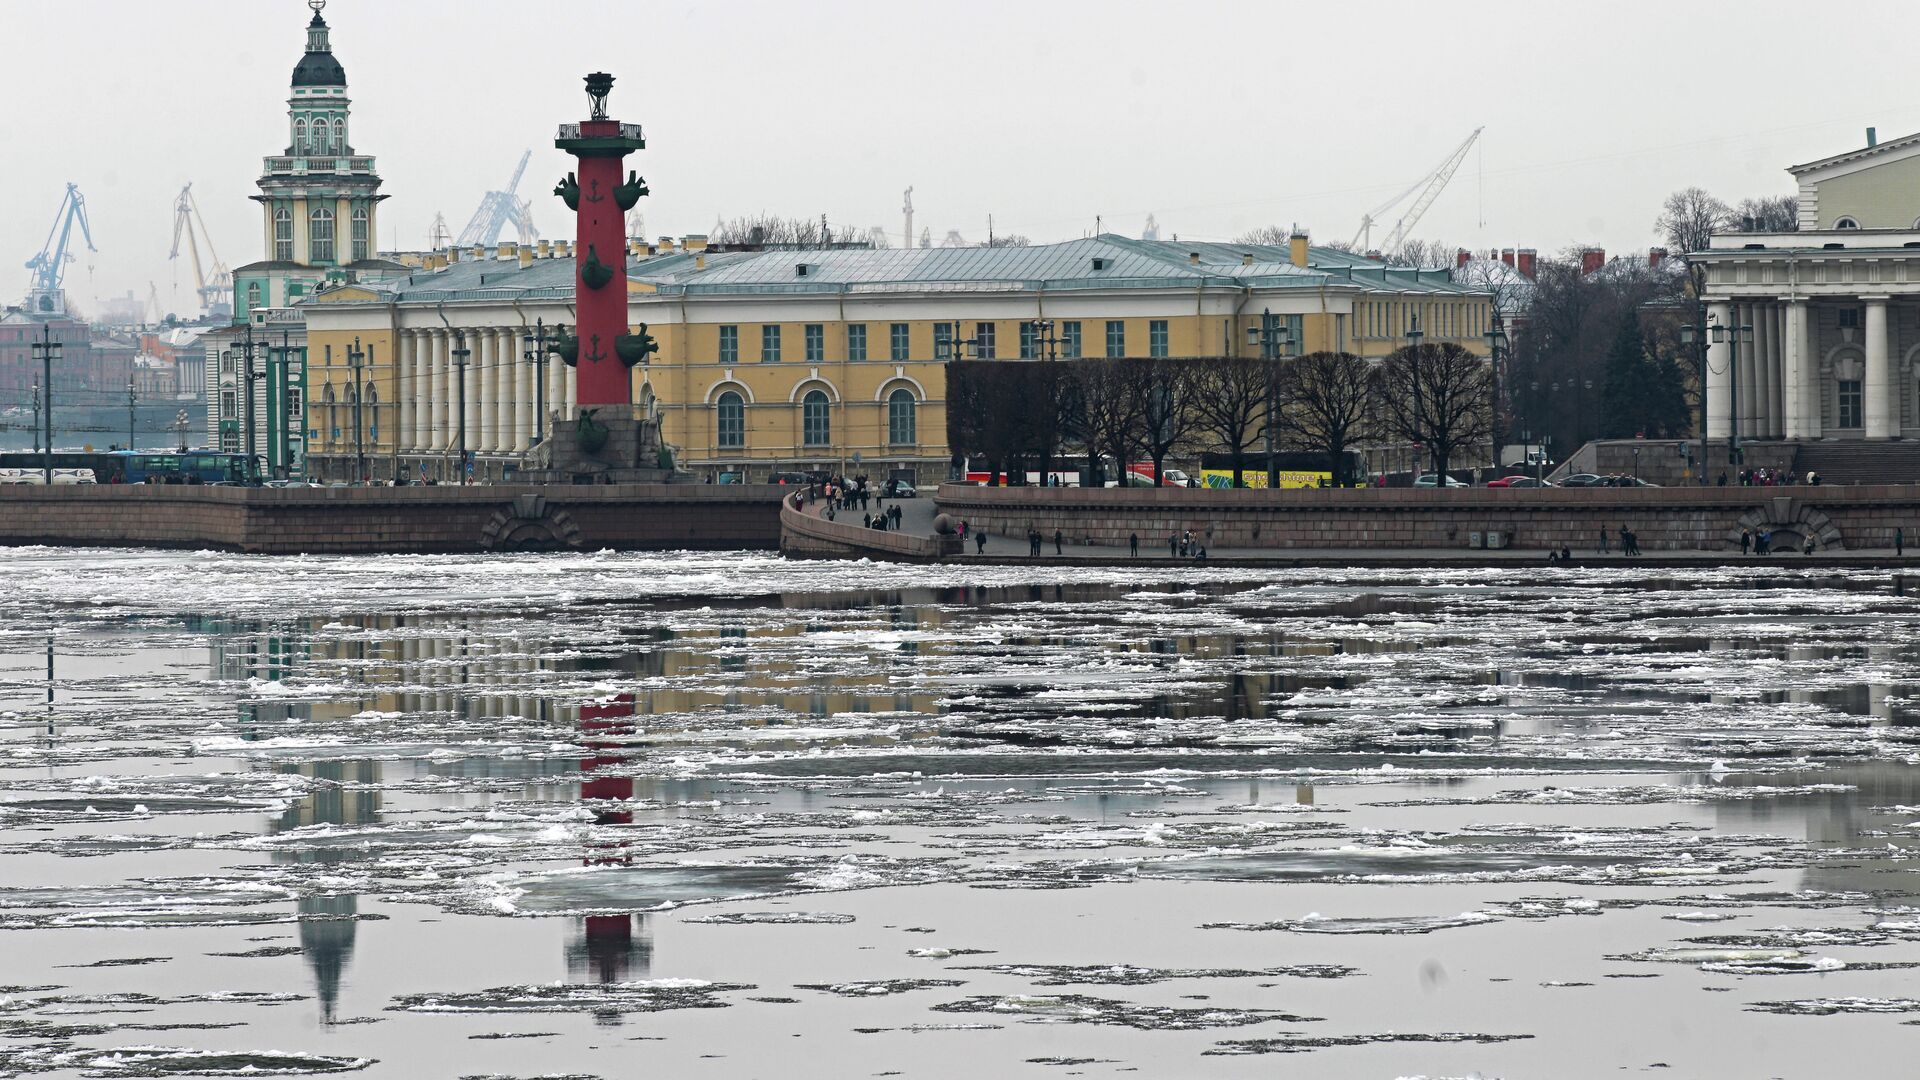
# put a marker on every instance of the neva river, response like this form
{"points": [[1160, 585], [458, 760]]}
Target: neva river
{"points": [[733, 816]]}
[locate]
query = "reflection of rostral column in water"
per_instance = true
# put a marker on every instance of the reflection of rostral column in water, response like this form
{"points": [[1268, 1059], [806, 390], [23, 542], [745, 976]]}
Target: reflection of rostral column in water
{"points": [[608, 947], [602, 351]]}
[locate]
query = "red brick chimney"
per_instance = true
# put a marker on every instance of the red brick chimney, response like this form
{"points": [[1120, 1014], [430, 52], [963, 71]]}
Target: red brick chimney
{"points": [[1461, 257], [1592, 259], [1656, 256], [1506, 256], [1527, 257]]}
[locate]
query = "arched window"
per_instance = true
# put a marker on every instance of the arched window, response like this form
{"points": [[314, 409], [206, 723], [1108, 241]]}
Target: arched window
{"points": [[283, 235], [320, 235], [900, 421], [326, 393], [815, 428], [299, 134], [339, 134], [359, 232], [253, 296], [731, 420], [372, 396], [1846, 223]]}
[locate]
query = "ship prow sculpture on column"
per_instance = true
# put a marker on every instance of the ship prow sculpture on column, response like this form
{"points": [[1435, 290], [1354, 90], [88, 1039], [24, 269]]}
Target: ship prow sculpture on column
{"points": [[605, 441]]}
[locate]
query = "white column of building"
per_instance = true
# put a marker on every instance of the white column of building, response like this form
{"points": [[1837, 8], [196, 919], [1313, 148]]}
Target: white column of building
{"points": [[1742, 355], [572, 387], [1719, 375], [1810, 394], [1776, 321], [406, 385], [1763, 384], [1794, 377], [488, 354], [508, 384], [440, 401], [422, 391], [1877, 394], [522, 404], [400, 427], [556, 391]]}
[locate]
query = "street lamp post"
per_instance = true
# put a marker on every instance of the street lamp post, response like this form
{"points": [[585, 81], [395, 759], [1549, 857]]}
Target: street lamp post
{"points": [[1045, 343], [1414, 334], [459, 354], [130, 400], [47, 350], [355, 357], [36, 416], [247, 378], [1496, 345], [1732, 336], [536, 354], [1273, 337]]}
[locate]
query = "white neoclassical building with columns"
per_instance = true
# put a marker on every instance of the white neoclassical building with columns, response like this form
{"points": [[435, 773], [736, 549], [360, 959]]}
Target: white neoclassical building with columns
{"points": [[1834, 306]]}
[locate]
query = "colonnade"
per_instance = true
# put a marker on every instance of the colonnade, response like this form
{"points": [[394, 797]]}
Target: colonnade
{"points": [[500, 395], [1773, 385]]}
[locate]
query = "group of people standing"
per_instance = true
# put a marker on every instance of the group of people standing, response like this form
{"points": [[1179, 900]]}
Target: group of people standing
{"points": [[1767, 477]]}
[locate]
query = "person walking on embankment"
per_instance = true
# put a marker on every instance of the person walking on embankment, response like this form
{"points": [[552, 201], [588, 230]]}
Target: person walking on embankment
{"points": [[1603, 540], [1056, 543], [1133, 545]]}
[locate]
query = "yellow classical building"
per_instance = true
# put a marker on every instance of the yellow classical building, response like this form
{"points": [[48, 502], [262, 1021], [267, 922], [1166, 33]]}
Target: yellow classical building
{"points": [[782, 360]]}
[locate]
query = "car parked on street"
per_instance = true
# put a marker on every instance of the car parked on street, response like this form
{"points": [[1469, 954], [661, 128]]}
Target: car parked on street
{"points": [[1585, 479], [1517, 482], [1432, 480]]}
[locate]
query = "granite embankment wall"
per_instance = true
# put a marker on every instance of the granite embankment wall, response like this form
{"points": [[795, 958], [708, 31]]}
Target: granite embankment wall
{"points": [[1856, 517], [804, 533], [408, 519]]}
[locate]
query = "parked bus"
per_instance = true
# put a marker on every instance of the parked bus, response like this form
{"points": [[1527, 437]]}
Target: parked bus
{"points": [[134, 466]]}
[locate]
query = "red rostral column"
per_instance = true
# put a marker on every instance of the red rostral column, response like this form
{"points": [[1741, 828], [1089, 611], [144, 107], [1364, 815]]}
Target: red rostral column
{"points": [[601, 351]]}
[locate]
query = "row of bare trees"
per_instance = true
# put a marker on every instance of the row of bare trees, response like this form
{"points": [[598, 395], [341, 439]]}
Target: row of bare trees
{"points": [[1031, 416]]}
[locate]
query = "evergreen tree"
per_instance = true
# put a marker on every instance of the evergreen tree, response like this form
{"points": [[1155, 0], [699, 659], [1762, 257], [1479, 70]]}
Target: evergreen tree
{"points": [[1625, 392]]}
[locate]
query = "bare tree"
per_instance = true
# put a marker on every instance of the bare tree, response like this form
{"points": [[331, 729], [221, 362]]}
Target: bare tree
{"points": [[1689, 218], [764, 228], [1427, 254], [1007, 240], [1438, 396], [1230, 399], [1166, 408], [1108, 415], [1768, 213], [1272, 235], [1331, 403]]}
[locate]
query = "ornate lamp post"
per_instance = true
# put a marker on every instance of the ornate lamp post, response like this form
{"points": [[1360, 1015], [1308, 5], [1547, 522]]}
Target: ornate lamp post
{"points": [[1274, 337], [1733, 337], [459, 354], [357, 356], [535, 353], [47, 350], [1496, 347], [130, 401], [1044, 341]]}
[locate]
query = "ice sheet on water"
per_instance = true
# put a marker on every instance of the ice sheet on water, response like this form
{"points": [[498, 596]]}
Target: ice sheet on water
{"points": [[1083, 1009], [1835, 1006], [1320, 924], [1131, 975], [654, 995], [771, 918], [1298, 1044], [877, 987], [161, 1061]]}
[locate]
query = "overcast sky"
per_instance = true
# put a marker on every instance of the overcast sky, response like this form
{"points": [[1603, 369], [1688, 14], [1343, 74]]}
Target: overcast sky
{"points": [[1214, 116]]}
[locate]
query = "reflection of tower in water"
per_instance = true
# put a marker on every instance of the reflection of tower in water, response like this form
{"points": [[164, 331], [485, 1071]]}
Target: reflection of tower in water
{"points": [[608, 948], [328, 924]]}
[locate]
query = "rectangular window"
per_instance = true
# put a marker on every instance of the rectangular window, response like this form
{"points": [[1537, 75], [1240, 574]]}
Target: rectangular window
{"points": [[769, 344], [943, 341], [816, 343], [359, 232], [983, 340], [1296, 327], [1116, 338], [1070, 339], [899, 340], [1850, 403], [293, 402], [226, 403], [857, 341], [1157, 338], [729, 344], [1029, 341], [1849, 320]]}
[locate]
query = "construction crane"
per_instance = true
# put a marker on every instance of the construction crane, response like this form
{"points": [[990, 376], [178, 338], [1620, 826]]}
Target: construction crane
{"points": [[49, 267], [498, 210], [439, 236], [213, 282], [1429, 186]]}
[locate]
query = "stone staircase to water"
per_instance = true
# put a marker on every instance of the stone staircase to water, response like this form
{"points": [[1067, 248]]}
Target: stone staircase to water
{"points": [[1860, 462]]}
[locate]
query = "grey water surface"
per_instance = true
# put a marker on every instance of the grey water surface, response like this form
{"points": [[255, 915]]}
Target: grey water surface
{"points": [[729, 815]]}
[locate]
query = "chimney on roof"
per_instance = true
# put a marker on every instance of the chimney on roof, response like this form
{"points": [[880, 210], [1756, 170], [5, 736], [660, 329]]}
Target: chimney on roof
{"points": [[1193, 257], [1873, 138], [666, 245], [1506, 256], [453, 255], [1461, 257], [1527, 258], [479, 252], [694, 241], [700, 260], [1246, 259], [546, 250], [1656, 256], [563, 249], [506, 250], [1592, 259], [1297, 248], [525, 256]]}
